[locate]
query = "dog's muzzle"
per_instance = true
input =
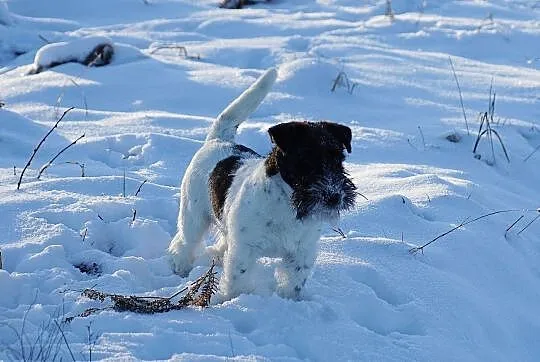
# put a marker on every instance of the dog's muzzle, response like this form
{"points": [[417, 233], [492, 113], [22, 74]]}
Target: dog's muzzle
{"points": [[325, 199]]}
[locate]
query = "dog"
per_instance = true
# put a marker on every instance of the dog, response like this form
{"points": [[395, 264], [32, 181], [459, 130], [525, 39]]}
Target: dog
{"points": [[273, 206]]}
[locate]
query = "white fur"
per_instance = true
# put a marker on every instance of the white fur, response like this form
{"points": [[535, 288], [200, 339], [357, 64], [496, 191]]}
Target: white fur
{"points": [[258, 219]]}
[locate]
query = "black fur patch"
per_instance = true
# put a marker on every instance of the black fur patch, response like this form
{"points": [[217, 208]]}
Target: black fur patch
{"points": [[222, 176], [220, 181]]}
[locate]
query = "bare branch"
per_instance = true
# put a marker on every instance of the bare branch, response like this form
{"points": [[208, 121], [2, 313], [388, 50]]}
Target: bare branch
{"points": [[65, 339], [39, 145], [512, 225], [46, 166], [421, 248], [140, 186], [532, 153], [81, 165]]}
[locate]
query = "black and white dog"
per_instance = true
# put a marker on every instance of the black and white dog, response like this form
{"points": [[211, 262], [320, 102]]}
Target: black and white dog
{"points": [[270, 206]]}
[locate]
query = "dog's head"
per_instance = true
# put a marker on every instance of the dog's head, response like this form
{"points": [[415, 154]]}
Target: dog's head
{"points": [[309, 157]]}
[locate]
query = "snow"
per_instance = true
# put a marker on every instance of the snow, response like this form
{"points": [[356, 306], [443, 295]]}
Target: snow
{"points": [[472, 295], [5, 16], [64, 52]]}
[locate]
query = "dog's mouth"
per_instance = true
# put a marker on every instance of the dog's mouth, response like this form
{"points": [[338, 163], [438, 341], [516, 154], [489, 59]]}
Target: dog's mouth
{"points": [[325, 200]]}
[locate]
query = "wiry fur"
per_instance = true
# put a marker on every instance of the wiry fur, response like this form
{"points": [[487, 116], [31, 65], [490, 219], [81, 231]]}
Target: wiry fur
{"points": [[272, 206]]}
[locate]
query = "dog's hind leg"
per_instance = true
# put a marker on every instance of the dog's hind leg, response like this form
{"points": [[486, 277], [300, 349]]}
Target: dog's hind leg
{"points": [[193, 223]]}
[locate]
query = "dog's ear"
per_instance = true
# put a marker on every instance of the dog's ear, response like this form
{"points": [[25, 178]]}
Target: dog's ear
{"points": [[342, 133], [286, 135]]}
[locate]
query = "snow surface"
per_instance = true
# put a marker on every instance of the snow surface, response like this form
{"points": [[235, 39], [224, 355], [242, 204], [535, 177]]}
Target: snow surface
{"points": [[472, 295]]}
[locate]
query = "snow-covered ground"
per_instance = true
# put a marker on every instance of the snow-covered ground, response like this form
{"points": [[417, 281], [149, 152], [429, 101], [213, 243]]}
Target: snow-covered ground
{"points": [[472, 295]]}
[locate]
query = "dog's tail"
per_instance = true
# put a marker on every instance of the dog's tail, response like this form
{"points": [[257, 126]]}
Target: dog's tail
{"points": [[226, 124]]}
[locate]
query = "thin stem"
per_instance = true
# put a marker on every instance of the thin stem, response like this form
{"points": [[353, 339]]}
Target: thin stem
{"points": [[460, 96], [421, 248], [39, 145], [46, 166]]}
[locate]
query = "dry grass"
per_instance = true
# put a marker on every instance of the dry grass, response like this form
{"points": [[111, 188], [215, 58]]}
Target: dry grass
{"points": [[486, 130], [198, 294], [342, 81]]}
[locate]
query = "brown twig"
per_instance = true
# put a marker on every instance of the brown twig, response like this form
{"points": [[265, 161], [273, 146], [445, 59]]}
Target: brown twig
{"points": [[39, 145], [48, 164]]}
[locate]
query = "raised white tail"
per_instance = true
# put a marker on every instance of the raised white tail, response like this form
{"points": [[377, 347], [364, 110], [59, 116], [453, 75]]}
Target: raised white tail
{"points": [[226, 124]]}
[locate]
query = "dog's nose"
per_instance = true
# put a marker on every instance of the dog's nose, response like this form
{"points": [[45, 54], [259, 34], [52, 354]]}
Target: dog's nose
{"points": [[333, 199]]}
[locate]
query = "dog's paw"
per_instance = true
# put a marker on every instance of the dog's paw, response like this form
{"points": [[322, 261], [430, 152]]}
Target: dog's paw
{"points": [[293, 294], [180, 266]]}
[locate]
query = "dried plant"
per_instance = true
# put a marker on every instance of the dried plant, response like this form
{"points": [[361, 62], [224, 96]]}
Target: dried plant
{"points": [[531, 154], [460, 95], [198, 294], [48, 164], [389, 11], [342, 81], [80, 164], [467, 222], [39, 145], [182, 50], [140, 187], [486, 129], [45, 345]]}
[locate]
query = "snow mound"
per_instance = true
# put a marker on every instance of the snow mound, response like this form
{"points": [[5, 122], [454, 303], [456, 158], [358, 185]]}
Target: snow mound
{"points": [[90, 51], [5, 16], [18, 136]]}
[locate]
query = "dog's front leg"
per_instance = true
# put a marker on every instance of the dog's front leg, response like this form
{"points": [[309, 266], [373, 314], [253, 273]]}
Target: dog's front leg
{"points": [[294, 271], [237, 276]]}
